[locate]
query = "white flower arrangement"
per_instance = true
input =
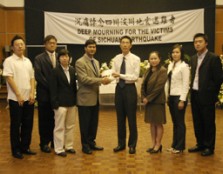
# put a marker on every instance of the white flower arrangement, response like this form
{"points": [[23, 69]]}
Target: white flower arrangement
{"points": [[107, 71], [104, 67], [143, 67]]}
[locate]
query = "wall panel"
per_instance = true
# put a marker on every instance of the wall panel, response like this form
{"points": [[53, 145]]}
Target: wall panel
{"points": [[2, 43], [219, 43], [219, 30], [2, 19], [12, 23], [15, 21]]}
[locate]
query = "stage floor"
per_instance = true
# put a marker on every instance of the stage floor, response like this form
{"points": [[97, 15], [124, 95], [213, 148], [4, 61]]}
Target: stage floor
{"points": [[107, 162]]}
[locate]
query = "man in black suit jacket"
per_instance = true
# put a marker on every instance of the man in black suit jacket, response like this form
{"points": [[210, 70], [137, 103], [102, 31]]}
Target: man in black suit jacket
{"points": [[206, 72], [63, 91], [43, 65]]}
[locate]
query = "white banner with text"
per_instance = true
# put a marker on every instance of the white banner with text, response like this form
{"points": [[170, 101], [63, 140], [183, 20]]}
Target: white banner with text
{"points": [[106, 29]]}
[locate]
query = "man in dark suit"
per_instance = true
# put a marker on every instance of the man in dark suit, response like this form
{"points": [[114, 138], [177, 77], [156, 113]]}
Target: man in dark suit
{"points": [[43, 65], [63, 91], [206, 72], [88, 75]]}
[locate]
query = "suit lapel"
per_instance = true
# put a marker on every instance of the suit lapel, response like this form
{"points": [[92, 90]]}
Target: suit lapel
{"points": [[47, 58], [97, 66], [194, 66], [90, 66], [57, 62], [152, 81], [71, 76], [64, 77], [205, 60], [170, 68]]}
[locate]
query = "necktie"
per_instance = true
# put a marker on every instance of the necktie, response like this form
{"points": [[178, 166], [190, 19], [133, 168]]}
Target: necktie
{"points": [[53, 60], [94, 66], [122, 71]]}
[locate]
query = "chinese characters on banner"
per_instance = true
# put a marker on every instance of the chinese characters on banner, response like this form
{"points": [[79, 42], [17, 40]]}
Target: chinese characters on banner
{"points": [[106, 29]]}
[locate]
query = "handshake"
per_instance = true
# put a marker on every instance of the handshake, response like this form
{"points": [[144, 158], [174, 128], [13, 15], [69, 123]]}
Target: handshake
{"points": [[107, 77], [105, 80]]}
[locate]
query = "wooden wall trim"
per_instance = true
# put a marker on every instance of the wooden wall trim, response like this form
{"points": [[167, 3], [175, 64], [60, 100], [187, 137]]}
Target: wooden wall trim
{"points": [[11, 8]]}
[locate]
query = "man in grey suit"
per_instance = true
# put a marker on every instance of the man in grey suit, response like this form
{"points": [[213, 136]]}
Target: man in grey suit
{"points": [[89, 80], [43, 65]]}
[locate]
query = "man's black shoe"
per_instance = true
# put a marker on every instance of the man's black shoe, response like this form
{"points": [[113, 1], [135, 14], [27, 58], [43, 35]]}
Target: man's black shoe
{"points": [[45, 149], [71, 151], [96, 147], [119, 148], [18, 155], [207, 152], [87, 150], [132, 150], [195, 149], [28, 152], [63, 154]]}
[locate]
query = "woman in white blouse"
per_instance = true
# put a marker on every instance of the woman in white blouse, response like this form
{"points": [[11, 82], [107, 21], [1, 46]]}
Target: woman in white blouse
{"points": [[177, 88]]}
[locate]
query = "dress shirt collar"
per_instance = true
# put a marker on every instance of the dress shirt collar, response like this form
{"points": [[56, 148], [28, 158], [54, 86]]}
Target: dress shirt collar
{"points": [[17, 57], [201, 56], [50, 54], [65, 68], [177, 63], [90, 58], [127, 55]]}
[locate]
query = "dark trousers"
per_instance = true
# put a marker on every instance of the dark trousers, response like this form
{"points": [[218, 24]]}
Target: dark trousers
{"points": [[88, 120], [46, 123], [204, 122], [126, 106], [21, 125], [178, 118]]}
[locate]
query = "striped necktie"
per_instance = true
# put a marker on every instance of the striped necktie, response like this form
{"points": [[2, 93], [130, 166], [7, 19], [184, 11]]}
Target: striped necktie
{"points": [[94, 66]]}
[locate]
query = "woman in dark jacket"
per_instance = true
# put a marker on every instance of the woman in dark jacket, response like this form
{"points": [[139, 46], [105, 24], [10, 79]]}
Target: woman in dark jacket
{"points": [[153, 97], [63, 92]]}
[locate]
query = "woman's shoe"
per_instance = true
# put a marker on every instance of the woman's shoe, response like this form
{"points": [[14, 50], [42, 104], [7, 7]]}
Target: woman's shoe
{"points": [[170, 149], [156, 151], [175, 151], [150, 149]]}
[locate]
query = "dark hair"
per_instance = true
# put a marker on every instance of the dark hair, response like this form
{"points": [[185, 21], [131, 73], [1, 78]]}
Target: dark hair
{"points": [[201, 35], [156, 52], [181, 51], [63, 52], [90, 42], [126, 37], [48, 38], [16, 37]]}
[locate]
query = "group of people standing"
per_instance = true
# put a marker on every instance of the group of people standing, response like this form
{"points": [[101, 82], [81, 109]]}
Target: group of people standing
{"points": [[61, 87], [203, 77]]}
